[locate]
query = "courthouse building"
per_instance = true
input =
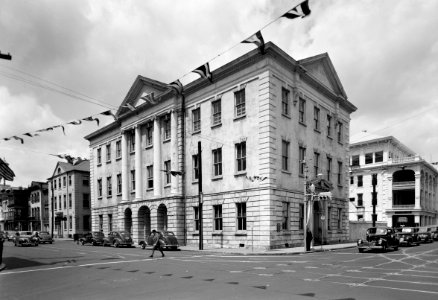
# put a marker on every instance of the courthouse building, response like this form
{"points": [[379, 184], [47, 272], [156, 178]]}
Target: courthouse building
{"points": [[406, 184], [266, 124]]}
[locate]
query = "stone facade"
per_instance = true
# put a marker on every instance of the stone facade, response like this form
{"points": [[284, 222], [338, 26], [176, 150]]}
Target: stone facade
{"points": [[266, 125]]}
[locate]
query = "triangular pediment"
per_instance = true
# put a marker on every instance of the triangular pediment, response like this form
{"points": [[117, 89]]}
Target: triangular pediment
{"points": [[321, 68], [143, 88]]}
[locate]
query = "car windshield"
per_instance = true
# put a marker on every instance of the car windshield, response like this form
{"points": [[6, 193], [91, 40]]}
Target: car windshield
{"points": [[25, 233], [43, 233], [377, 231], [125, 234], [408, 230], [98, 234]]}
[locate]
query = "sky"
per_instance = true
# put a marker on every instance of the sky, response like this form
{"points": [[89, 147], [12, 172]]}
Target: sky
{"points": [[73, 59]]}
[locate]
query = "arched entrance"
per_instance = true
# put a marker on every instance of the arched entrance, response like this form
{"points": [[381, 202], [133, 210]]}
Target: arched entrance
{"points": [[162, 217], [128, 220], [144, 222]]}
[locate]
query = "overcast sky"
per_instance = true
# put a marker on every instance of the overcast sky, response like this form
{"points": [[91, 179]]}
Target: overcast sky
{"points": [[69, 55]]}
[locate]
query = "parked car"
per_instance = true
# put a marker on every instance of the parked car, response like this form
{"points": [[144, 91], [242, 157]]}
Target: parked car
{"points": [[118, 238], [378, 238], [25, 238], [170, 240], [11, 235], [95, 238], [425, 235], [434, 232], [43, 237], [4, 235], [407, 236]]}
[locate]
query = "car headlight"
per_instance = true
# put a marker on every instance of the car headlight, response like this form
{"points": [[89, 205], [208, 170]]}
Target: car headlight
{"points": [[359, 242]]}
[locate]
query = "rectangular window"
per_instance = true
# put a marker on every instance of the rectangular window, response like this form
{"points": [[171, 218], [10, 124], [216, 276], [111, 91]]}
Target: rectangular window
{"points": [[239, 97], [54, 184], [340, 171], [119, 184], [131, 138], [59, 183], [109, 186], [167, 172], [285, 223], [360, 200], [86, 182], [241, 157], [378, 156], [329, 126], [196, 119], [69, 201], [302, 111], [301, 217], [360, 217], [86, 220], [86, 200], [351, 179], [285, 155], [316, 112], [241, 216], [340, 132], [56, 203], [69, 180], [118, 149], [216, 112], [65, 201], [329, 168], [285, 100], [70, 221], [339, 218], [166, 127], [329, 218], [195, 165], [99, 156], [316, 156], [217, 162], [108, 153], [64, 181], [149, 134], [196, 218], [150, 179], [355, 161], [110, 222], [368, 158], [100, 222], [359, 180], [132, 180], [301, 160], [217, 217], [99, 188]]}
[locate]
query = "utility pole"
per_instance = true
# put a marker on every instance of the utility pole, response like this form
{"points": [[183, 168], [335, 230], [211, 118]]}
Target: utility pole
{"points": [[201, 245], [374, 199]]}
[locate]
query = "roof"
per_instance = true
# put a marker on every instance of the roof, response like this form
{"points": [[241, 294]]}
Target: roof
{"points": [[82, 166]]}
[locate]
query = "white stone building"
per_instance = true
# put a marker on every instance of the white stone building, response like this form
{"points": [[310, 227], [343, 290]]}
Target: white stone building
{"points": [[38, 206], [265, 124], [406, 184]]}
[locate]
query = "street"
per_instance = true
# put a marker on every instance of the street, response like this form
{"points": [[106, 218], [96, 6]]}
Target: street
{"points": [[65, 270]]}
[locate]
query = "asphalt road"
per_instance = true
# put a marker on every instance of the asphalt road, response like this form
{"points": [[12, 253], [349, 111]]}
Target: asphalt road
{"points": [[65, 270]]}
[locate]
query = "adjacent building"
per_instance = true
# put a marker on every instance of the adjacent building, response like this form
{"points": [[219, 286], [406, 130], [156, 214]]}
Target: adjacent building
{"points": [[406, 184], [38, 206], [265, 126], [14, 201], [69, 194]]}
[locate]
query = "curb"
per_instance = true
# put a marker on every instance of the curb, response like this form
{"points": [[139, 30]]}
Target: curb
{"points": [[2, 267]]}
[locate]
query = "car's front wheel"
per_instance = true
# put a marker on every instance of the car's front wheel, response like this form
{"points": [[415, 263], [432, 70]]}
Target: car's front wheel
{"points": [[360, 250], [116, 244]]}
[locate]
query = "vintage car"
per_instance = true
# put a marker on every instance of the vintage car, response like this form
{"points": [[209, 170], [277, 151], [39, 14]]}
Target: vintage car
{"points": [[4, 235], [378, 238], [407, 236], [94, 238], [425, 235], [434, 232], [25, 238], [118, 238], [43, 237], [170, 240]]}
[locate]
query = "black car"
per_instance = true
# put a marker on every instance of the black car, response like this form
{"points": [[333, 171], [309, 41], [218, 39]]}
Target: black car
{"points": [[118, 238], [94, 238], [407, 236], [378, 238], [169, 238], [425, 235]]}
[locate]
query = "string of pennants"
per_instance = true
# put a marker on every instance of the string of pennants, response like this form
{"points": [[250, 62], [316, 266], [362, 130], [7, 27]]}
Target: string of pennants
{"points": [[299, 11], [91, 118]]}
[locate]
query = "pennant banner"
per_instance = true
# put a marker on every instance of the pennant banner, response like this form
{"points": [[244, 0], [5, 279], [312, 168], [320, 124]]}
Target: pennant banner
{"points": [[257, 39], [301, 10], [204, 71], [176, 86], [5, 171]]}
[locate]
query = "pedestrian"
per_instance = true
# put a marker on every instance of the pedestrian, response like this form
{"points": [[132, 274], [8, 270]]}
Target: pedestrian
{"points": [[158, 241], [309, 238]]}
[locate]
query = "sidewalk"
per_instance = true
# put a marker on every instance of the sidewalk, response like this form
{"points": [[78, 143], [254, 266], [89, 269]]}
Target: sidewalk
{"points": [[281, 251]]}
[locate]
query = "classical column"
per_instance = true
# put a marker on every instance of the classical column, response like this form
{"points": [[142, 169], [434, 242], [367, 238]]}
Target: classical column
{"points": [[157, 157], [138, 164], [418, 191], [174, 151], [125, 175]]}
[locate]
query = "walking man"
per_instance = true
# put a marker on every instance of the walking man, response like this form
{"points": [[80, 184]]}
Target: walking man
{"points": [[158, 239]]}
